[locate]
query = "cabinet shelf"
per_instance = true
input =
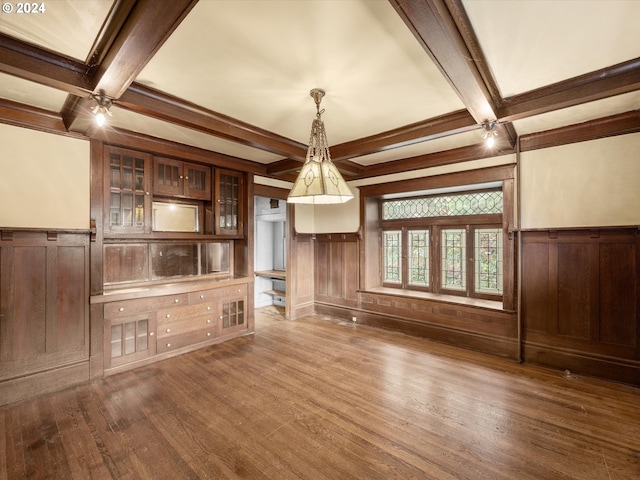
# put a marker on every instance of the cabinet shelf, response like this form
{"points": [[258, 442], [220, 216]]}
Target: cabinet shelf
{"points": [[276, 293], [277, 274]]}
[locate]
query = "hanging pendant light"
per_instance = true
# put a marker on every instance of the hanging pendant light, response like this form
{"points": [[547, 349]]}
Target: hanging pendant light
{"points": [[319, 181]]}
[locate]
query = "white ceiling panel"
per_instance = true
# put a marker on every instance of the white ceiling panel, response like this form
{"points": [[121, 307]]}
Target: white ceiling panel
{"points": [[30, 93], [156, 128], [532, 43], [67, 27], [271, 54]]}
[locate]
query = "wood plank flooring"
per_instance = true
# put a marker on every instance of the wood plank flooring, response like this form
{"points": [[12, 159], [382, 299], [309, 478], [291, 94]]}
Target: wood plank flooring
{"points": [[323, 399]]}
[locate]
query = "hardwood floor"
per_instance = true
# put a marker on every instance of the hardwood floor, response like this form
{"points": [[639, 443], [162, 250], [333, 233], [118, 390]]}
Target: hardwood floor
{"points": [[323, 399]]}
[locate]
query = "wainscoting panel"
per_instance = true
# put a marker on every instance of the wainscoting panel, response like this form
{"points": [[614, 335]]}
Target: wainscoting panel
{"points": [[44, 311], [581, 301]]}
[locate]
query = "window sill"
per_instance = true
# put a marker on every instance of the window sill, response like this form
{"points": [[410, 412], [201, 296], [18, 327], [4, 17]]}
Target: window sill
{"points": [[436, 297]]}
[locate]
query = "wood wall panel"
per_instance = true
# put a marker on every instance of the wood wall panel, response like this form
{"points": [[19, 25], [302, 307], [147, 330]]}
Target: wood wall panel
{"points": [[574, 290], [336, 274], [535, 274], [44, 309], [618, 300], [580, 298], [71, 308]]}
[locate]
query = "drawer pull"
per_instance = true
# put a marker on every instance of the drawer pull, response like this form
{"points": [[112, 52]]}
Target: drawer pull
{"points": [[168, 330], [121, 309]]}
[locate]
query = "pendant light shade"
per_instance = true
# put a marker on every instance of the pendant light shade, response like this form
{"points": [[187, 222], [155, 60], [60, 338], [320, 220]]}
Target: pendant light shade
{"points": [[319, 181]]}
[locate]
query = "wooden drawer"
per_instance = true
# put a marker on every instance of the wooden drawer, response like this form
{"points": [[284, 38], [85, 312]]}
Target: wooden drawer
{"points": [[214, 294], [175, 342], [127, 308], [169, 315], [232, 291], [206, 322]]}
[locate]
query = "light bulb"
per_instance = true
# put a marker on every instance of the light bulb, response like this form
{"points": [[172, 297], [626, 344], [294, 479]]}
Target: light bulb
{"points": [[491, 141], [100, 119]]}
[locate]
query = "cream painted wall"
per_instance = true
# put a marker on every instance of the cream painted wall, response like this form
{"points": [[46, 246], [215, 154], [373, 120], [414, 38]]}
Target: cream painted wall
{"points": [[595, 183], [44, 180]]}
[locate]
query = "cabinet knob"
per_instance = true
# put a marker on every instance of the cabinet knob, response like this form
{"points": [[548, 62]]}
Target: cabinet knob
{"points": [[181, 176], [168, 315], [151, 334], [208, 308], [168, 345], [208, 334], [121, 309], [168, 330], [201, 297], [239, 290], [177, 300], [209, 321]]}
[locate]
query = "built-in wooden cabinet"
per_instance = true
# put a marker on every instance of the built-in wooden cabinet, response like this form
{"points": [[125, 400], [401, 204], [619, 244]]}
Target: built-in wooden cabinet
{"points": [[228, 202], [127, 191], [167, 281], [140, 330], [181, 179]]}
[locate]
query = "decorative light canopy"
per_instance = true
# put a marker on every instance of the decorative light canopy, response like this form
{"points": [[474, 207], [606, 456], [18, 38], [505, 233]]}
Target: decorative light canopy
{"points": [[101, 109], [319, 181], [489, 133]]}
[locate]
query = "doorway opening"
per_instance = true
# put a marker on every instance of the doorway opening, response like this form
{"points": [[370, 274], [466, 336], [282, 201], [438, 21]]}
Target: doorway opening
{"points": [[270, 262]]}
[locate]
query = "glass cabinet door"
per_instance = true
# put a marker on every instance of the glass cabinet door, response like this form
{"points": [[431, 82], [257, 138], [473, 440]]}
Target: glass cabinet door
{"points": [[228, 203], [127, 196]]}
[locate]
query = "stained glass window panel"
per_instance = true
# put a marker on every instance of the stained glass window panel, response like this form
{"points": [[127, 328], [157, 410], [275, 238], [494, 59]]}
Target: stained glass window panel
{"points": [[453, 275], [488, 260], [476, 203], [392, 256], [418, 257]]}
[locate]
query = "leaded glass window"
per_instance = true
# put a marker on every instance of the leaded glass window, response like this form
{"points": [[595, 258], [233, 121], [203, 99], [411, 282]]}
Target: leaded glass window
{"points": [[453, 275], [419, 257], [392, 257], [488, 259], [475, 203]]}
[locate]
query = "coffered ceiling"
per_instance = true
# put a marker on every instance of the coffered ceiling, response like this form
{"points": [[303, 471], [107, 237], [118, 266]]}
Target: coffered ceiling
{"points": [[408, 82]]}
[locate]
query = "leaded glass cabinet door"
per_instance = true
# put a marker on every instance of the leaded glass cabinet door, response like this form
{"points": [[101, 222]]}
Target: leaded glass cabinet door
{"points": [[128, 203], [228, 204]]}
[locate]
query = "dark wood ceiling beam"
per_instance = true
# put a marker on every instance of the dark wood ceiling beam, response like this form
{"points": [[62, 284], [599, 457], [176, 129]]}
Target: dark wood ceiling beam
{"points": [[434, 27], [619, 124], [148, 26], [43, 67], [437, 159], [604, 83], [449, 124], [21, 115], [452, 123], [146, 101]]}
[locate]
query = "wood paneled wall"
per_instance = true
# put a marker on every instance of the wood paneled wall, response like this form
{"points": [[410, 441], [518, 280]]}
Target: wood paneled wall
{"points": [[338, 292], [44, 311], [581, 301]]}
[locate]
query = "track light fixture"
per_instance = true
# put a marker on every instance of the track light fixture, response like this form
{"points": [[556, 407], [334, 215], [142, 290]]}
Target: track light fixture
{"points": [[489, 133], [101, 109]]}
